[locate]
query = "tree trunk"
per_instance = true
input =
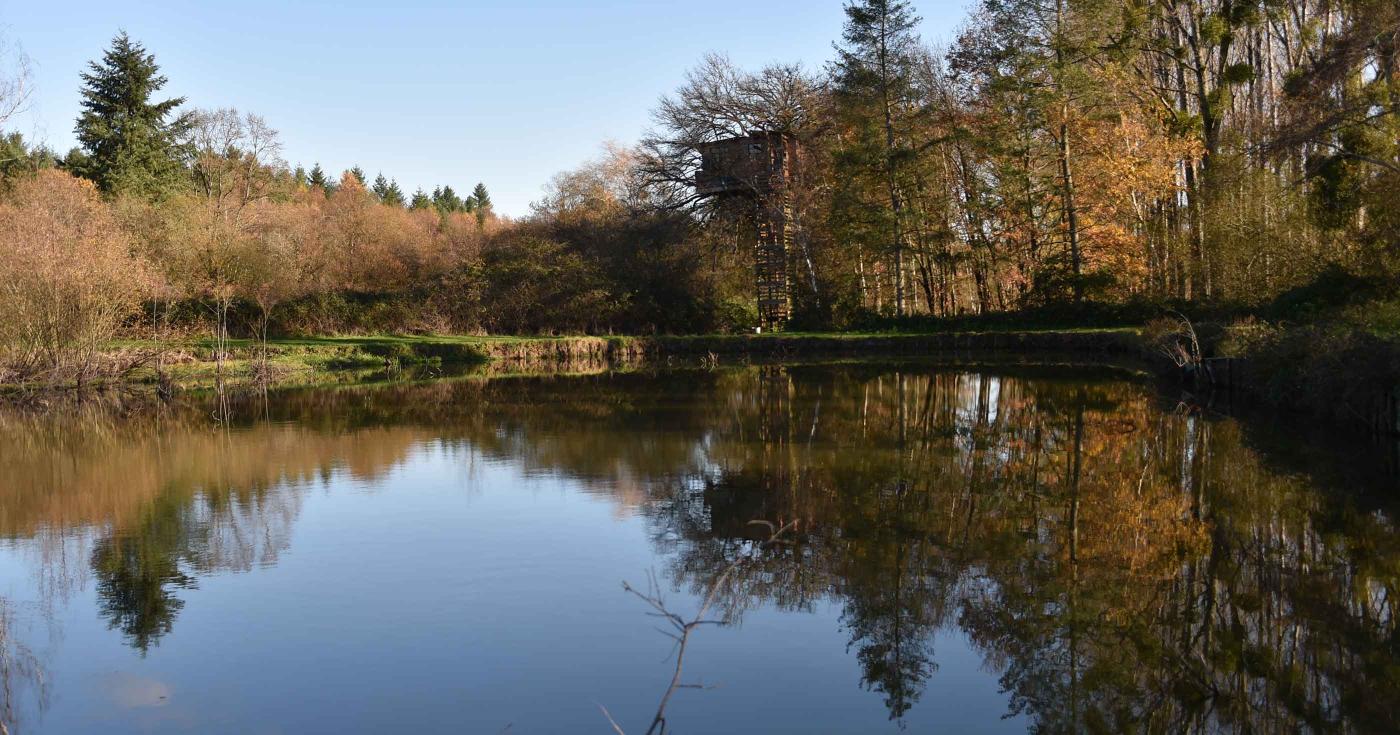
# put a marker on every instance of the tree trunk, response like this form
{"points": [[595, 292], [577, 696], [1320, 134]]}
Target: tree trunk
{"points": [[896, 205], [1071, 217]]}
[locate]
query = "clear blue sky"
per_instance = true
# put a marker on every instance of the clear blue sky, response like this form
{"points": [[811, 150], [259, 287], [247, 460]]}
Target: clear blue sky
{"points": [[428, 93]]}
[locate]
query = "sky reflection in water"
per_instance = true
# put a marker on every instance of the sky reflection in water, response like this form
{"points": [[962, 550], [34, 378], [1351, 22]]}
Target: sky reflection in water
{"points": [[979, 551]]}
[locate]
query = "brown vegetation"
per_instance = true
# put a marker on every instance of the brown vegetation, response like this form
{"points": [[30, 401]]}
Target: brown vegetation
{"points": [[1198, 153], [70, 279]]}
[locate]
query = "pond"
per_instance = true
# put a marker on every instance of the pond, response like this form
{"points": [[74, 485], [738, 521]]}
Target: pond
{"points": [[962, 549]]}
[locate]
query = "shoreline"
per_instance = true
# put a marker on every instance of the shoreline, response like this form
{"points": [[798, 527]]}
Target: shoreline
{"points": [[190, 363], [329, 361]]}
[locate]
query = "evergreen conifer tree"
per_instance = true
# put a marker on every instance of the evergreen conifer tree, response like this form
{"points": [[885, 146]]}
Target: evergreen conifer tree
{"points": [[874, 72], [481, 203], [394, 195], [131, 142], [317, 178], [481, 199], [446, 200]]}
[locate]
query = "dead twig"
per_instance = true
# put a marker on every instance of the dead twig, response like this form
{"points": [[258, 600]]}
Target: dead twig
{"points": [[1175, 338], [682, 627]]}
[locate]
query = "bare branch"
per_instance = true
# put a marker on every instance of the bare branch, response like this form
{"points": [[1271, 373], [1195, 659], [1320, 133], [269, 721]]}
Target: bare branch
{"points": [[685, 626], [15, 86]]}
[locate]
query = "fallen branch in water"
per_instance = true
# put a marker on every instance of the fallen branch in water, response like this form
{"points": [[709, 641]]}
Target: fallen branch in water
{"points": [[681, 628]]}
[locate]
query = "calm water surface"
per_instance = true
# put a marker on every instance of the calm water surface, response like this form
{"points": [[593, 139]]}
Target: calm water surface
{"points": [[978, 550]]}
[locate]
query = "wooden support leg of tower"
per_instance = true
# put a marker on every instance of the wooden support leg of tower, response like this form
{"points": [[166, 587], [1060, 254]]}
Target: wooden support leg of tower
{"points": [[770, 261]]}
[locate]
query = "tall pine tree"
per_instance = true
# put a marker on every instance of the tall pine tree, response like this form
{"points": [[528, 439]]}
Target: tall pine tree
{"points": [[874, 72], [446, 200], [130, 140], [481, 203], [317, 179], [481, 199]]}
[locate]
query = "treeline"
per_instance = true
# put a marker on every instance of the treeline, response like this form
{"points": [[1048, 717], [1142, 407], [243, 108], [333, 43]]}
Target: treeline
{"points": [[1076, 155], [1066, 153], [167, 220], [1182, 150]]}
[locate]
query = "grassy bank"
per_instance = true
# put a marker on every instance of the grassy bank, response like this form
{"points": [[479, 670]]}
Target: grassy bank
{"points": [[190, 363], [1337, 369]]}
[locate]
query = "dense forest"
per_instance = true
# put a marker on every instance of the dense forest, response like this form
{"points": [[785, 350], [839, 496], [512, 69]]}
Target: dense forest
{"points": [[1076, 154]]}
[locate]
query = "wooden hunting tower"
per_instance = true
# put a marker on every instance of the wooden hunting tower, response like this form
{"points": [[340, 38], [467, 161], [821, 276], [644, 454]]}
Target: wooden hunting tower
{"points": [[759, 166]]}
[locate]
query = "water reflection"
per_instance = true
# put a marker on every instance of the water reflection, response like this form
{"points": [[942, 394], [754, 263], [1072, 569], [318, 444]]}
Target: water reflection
{"points": [[21, 671], [1121, 563]]}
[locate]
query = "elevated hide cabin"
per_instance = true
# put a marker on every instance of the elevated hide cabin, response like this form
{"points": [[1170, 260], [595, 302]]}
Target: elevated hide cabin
{"points": [[759, 166]]}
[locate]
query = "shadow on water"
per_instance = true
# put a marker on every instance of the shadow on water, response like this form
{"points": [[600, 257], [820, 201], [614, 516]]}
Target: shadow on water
{"points": [[1119, 559]]}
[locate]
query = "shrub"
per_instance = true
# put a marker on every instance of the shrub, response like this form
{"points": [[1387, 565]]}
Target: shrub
{"points": [[1331, 290], [534, 284], [1332, 369], [70, 279]]}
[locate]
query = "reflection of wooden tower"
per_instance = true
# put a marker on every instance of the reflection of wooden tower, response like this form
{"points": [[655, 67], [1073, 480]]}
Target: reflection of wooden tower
{"points": [[759, 166], [774, 406]]}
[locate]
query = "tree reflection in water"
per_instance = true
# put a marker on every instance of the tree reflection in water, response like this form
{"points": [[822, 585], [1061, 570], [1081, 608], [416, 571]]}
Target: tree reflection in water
{"points": [[21, 672], [1119, 562]]}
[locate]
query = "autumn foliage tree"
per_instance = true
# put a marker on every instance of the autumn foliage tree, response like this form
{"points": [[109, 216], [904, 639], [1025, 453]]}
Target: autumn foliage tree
{"points": [[70, 278], [1056, 153]]}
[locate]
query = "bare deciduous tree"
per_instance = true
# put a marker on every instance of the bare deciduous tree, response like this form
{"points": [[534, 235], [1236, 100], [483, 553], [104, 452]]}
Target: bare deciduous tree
{"points": [[719, 101], [15, 86], [234, 157]]}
